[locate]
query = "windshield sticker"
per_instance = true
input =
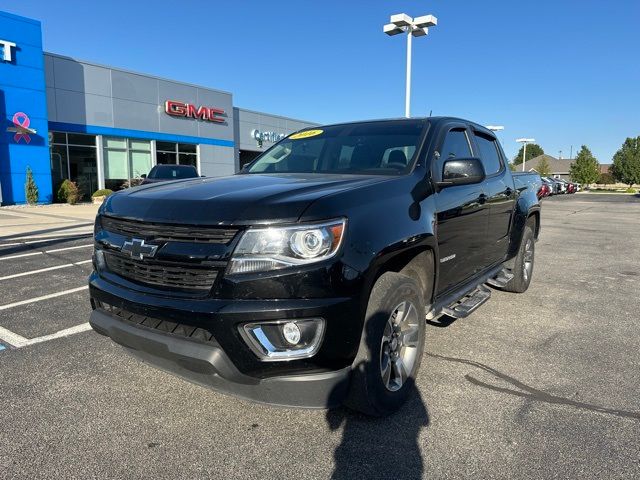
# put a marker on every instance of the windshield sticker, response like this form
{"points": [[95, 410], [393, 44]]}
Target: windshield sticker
{"points": [[305, 134]]}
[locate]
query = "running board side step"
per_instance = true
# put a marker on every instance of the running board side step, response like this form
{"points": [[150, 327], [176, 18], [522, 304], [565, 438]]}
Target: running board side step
{"points": [[469, 303], [501, 279]]}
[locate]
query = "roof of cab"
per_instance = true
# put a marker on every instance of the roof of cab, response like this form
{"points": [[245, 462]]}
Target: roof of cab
{"points": [[435, 120]]}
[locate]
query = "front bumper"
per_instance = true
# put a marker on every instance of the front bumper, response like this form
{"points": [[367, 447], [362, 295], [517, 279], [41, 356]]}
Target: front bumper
{"points": [[224, 361], [209, 366]]}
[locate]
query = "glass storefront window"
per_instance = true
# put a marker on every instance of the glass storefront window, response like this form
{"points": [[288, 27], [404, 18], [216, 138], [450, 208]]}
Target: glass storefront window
{"points": [[176, 153], [186, 148], [74, 156], [164, 158], [125, 161]]}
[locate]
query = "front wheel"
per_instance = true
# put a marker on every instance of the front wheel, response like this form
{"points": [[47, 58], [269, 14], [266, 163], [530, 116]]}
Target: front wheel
{"points": [[391, 346]]}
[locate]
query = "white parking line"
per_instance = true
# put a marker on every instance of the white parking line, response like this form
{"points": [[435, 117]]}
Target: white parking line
{"points": [[62, 333], [18, 341], [44, 297], [41, 270], [67, 248], [21, 255], [13, 244], [13, 339], [55, 250], [47, 239]]}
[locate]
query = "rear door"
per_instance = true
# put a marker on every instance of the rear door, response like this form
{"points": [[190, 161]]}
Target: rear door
{"points": [[461, 213], [501, 195]]}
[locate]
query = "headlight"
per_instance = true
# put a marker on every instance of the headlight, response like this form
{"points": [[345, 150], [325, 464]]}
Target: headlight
{"points": [[273, 248]]}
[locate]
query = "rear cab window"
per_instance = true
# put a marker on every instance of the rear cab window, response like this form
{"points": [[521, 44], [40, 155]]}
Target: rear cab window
{"points": [[166, 172]]}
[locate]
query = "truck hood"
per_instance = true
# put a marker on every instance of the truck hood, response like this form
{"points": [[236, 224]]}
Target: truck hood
{"points": [[238, 199]]}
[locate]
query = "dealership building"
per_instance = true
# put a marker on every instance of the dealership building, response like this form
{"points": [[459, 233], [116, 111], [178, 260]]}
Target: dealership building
{"points": [[104, 127]]}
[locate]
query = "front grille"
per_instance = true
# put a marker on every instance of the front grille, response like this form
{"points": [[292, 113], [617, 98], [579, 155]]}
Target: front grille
{"points": [[166, 232], [161, 274], [173, 328]]}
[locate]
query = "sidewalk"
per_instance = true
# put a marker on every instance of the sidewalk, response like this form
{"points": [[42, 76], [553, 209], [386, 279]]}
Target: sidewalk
{"points": [[46, 221]]}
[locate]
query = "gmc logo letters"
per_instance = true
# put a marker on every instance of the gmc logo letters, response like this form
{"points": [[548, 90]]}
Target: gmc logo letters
{"points": [[188, 110]]}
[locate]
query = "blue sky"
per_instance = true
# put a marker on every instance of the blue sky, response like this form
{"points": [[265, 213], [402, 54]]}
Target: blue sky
{"points": [[564, 72]]}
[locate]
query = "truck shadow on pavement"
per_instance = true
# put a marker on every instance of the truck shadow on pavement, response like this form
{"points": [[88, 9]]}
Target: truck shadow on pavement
{"points": [[48, 230], [380, 447], [530, 393]]}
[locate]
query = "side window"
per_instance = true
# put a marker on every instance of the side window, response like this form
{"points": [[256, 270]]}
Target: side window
{"points": [[488, 153], [455, 145]]}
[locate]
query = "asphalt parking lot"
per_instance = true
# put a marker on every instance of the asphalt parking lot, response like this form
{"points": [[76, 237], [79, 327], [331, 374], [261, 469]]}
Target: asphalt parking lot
{"points": [[539, 385]]}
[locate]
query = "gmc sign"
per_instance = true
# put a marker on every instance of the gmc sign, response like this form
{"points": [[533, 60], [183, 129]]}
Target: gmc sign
{"points": [[188, 110]]}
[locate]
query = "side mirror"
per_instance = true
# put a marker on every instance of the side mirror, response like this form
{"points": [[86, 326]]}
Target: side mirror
{"points": [[144, 175], [462, 171]]}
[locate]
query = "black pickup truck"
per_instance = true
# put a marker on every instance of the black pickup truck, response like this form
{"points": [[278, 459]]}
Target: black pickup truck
{"points": [[305, 279]]}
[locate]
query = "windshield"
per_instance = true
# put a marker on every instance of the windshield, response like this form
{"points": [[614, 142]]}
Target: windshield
{"points": [[376, 148], [172, 172]]}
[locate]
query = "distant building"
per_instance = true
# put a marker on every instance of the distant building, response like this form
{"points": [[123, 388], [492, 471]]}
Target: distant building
{"points": [[559, 167]]}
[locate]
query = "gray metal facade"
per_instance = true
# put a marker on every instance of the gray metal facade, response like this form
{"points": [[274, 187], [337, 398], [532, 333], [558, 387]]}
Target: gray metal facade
{"points": [[248, 121], [130, 104]]}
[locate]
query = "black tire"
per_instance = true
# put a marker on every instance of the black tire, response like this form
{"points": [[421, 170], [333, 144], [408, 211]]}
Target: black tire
{"points": [[368, 392], [523, 263]]}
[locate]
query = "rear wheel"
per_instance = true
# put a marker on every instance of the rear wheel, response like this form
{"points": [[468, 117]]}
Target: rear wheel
{"points": [[391, 346], [523, 263]]}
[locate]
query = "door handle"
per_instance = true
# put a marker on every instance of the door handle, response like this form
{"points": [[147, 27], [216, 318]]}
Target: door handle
{"points": [[482, 199]]}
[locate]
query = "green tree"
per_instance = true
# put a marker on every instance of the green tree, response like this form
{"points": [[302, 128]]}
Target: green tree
{"points": [[585, 168], [543, 167], [606, 179], [533, 150], [30, 188], [626, 162]]}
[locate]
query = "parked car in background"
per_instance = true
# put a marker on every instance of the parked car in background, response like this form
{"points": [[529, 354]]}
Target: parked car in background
{"points": [[165, 173], [550, 186], [561, 187], [544, 191], [555, 186]]}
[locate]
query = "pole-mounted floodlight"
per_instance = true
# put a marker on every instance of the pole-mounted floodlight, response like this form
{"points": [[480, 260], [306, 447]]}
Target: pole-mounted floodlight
{"points": [[413, 27], [524, 142]]}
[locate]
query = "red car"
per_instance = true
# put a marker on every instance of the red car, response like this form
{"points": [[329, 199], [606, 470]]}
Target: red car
{"points": [[544, 191]]}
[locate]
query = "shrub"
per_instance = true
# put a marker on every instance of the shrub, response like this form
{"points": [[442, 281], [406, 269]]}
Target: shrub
{"points": [[103, 192], [134, 182], [606, 179], [68, 192], [30, 188], [630, 190]]}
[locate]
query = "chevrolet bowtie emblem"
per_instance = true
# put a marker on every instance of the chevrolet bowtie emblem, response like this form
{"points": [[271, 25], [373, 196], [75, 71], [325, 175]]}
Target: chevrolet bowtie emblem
{"points": [[138, 249]]}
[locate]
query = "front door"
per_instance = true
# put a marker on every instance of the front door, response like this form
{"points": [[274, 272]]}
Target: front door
{"points": [[461, 215]]}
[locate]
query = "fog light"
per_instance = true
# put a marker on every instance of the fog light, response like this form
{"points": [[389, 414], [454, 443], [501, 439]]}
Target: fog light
{"points": [[284, 339], [291, 333], [99, 262]]}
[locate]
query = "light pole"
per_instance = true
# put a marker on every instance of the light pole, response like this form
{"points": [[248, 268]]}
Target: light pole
{"points": [[524, 141], [413, 27]]}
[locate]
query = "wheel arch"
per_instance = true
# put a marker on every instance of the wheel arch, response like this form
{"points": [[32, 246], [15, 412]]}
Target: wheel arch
{"points": [[417, 263]]}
